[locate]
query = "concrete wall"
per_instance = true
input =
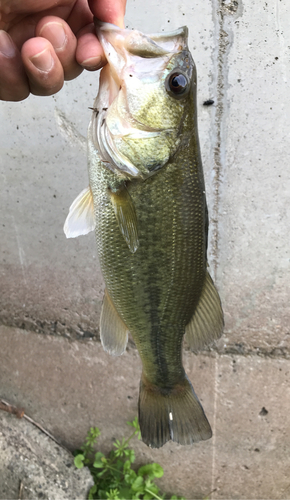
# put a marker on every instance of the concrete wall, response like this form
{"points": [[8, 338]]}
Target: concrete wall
{"points": [[53, 286]]}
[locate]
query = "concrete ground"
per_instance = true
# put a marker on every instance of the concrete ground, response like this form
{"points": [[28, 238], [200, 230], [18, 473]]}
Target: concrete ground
{"points": [[33, 466], [68, 386]]}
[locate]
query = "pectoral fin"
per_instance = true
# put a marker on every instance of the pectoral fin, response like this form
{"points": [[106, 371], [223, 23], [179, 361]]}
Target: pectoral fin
{"points": [[126, 216], [81, 217], [113, 331], [207, 322]]}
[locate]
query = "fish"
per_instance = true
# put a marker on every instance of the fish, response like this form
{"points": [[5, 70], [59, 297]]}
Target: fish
{"points": [[146, 203]]}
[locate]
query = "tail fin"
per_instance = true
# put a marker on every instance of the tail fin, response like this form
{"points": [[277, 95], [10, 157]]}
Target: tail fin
{"points": [[174, 414]]}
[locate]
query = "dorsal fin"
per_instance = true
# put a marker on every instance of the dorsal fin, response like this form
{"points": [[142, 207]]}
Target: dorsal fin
{"points": [[207, 322]]}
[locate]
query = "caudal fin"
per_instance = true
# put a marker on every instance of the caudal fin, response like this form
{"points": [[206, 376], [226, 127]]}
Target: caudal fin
{"points": [[174, 414]]}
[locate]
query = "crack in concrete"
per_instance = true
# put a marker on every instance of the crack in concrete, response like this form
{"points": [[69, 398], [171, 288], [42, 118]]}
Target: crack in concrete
{"points": [[57, 328], [224, 11], [263, 352], [213, 469], [69, 131]]}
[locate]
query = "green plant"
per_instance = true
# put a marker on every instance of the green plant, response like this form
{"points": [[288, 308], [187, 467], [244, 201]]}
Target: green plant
{"points": [[114, 477]]}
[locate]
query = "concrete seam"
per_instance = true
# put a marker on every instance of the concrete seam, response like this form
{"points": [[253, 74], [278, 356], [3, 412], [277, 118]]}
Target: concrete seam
{"points": [[213, 468], [223, 11], [51, 328], [220, 55]]}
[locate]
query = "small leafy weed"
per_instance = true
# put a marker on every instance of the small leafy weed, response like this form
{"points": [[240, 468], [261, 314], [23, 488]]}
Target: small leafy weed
{"points": [[114, 477]]}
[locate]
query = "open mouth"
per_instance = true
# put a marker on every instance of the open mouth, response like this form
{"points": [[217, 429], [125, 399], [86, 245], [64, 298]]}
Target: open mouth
{"points": [[131, 55], [110, 127]]}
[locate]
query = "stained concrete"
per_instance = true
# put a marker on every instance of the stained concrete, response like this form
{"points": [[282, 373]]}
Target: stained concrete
{"points": [[253, 211], [51, 285], [33, 466], [47, 283], [69, 386]]}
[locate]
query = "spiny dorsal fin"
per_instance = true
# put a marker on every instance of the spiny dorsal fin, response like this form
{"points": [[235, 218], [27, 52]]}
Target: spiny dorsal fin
{"points": [[126, 216], [81, 217], [113, 331], [207, 323]]}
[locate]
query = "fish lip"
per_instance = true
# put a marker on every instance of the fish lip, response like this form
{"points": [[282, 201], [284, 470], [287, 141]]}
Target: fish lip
{"points": [[104, 25], [155, 44], [157, 36], [182, 31]]}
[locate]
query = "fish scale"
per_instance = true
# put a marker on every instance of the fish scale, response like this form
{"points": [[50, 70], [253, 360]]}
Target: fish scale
{"points": [[159, 284]]}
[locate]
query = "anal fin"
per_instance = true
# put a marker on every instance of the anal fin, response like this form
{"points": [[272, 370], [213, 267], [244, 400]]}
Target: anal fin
{"points": [[207, 322], [113, 331], [126, 216]]}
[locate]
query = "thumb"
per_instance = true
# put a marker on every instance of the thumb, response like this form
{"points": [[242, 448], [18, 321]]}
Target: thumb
{"points": [[109, 11]]}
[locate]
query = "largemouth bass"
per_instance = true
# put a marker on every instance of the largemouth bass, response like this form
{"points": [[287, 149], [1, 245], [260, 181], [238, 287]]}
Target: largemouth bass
{"points": [[146, 202]]}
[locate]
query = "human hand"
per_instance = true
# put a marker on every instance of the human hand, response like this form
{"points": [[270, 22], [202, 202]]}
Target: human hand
{"points": [[43, 43]]}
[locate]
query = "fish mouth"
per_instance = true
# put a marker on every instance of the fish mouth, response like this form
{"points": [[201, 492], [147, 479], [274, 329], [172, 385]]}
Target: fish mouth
{"points": [[135, 42], [105, 135], [124, 47], [125, 51], [105, 139]]}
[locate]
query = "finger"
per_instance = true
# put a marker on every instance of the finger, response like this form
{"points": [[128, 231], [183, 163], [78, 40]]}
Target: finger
{"points": [[80, 16], [23, 27], [13, 81], [89, 53], [42, 66], [110, 11], [14, 12], [64, 42]]}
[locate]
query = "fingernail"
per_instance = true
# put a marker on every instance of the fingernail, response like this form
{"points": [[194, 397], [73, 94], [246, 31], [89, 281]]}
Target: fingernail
{"points": [[43, 61], [55, 33], [93, 63], [6, 45]]}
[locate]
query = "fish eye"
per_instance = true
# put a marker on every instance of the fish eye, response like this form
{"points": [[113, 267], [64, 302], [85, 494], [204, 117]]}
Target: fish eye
{"points": [[177, 84]]}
